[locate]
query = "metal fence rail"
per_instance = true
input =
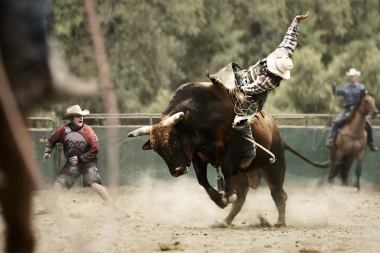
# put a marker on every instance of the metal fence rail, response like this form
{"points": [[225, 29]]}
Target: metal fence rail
{"points": [[140, 119]]}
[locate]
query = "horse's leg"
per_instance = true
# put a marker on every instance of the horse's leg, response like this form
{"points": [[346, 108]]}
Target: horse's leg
{"points": [[358, 172], [240, 184], [335, 166], [16, 202], [200, 168], [345, 169]]}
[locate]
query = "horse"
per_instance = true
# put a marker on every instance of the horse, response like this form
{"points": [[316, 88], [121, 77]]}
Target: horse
{"points": [[351, 140]]}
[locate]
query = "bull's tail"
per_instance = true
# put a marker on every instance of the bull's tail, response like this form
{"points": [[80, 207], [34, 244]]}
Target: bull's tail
{"points": [[323, 165]]}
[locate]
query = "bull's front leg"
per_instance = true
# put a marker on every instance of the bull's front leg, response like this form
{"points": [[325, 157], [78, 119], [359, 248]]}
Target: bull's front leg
{"points": [[227, 170], [200, 168]]}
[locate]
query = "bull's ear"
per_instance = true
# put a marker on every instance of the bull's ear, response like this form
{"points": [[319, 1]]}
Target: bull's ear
{"points": [[147, 145]]}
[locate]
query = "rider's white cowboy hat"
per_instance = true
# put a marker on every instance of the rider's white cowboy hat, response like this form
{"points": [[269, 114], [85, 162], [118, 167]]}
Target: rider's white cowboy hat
{"points": [[279, 63], [353, 72], [75, 110]]}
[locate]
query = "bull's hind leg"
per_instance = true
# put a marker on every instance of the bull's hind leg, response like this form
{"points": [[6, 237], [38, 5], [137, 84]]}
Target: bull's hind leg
{"points": [[274, 175], [279, 196], [240, 184]]}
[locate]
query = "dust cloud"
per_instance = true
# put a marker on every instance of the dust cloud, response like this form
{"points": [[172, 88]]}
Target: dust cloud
{"points": [[177, 215]]}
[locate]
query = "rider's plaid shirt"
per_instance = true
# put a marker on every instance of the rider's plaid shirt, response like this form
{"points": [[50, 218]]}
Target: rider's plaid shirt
{"points": [[257, 81], [291, 36]]}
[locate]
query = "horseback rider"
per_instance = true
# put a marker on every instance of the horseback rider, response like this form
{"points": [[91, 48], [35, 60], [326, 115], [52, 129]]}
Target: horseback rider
{"points": [[350, 93], [256, 81]]}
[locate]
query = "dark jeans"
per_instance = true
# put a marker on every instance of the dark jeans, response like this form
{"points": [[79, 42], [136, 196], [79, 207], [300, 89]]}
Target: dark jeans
{"points": [[249, 148]]}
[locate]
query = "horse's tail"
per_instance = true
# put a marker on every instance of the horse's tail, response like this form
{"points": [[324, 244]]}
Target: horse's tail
{"points": [[318, 165]]}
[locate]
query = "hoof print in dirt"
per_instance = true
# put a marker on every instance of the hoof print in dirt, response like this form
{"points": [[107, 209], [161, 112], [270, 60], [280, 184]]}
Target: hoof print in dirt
{"points": [[264, 223], [170, 246]]}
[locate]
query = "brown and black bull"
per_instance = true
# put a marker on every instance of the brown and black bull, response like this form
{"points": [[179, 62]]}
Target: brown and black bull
{"points": [[196, 128]]}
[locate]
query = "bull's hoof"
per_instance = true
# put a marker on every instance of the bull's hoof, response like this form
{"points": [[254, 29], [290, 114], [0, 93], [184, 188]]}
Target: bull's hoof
{"points": [[280, 225], [232, 198], [222, 224], [222, 203], [218, 198]]}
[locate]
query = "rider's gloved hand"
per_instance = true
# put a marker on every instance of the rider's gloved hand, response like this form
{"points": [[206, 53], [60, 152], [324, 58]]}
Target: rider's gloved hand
{"points": [[73, 160], [301, 17]]}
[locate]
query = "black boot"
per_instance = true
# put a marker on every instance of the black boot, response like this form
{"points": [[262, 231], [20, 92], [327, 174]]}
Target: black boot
{"points": [[249, 147]]}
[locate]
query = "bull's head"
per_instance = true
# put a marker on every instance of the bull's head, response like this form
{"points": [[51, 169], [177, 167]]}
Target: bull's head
{"points": [[165, 139]]}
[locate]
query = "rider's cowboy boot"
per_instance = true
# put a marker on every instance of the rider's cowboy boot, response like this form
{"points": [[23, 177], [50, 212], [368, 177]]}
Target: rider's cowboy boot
{"points": [[370, 141], [333, 132]]}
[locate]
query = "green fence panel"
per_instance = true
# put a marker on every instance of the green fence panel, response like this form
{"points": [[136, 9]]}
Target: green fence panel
{"points": [[310, 142], [136, 163]]}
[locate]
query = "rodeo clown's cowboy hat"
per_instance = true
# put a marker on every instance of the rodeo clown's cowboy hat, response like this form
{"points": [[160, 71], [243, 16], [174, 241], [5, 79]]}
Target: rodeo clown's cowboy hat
{"points": [[353, 72], [279, 63], [74, 110]]}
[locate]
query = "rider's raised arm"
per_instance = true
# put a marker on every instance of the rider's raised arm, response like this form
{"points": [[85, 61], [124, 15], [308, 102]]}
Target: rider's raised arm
{"points": [[341, 91], [289, 42]]}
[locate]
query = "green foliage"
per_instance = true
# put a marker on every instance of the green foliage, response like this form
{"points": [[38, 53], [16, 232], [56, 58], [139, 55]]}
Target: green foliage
{"points": [[156, 45]]}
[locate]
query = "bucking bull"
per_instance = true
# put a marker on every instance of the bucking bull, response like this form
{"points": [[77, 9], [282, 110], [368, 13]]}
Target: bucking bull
{"points": [[196, 128]]}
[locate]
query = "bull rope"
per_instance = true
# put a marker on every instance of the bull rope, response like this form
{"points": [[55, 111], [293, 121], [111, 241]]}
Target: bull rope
{"points": [[272, 159]]}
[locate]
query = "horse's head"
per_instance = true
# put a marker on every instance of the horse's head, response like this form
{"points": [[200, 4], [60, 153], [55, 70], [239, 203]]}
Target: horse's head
{"points": [[367, 104]]}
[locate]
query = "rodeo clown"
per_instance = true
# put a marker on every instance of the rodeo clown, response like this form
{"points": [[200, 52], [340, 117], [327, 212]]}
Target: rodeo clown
{"points": [[80, 147], [256, 81]]}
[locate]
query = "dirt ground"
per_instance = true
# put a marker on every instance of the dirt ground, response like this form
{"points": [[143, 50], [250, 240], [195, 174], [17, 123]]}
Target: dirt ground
{"points": [[178, 216]]}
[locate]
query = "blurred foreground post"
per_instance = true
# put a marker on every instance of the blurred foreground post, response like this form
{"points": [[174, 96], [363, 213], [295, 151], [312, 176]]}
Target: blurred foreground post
{"points": [[18, 171], [107, 92]]}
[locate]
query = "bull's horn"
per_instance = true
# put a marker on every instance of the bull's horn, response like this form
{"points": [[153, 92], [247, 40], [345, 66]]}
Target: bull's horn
{"points": [[140, 131], [174, 119]]}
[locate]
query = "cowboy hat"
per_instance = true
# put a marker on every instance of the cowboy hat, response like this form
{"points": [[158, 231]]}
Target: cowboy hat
{"points": [[353, 72], [279, 63], [74, 110]]}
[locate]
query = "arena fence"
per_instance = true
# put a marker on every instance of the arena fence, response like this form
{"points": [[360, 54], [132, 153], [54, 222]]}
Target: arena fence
{"points": [[306, 133]]}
